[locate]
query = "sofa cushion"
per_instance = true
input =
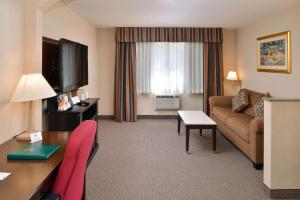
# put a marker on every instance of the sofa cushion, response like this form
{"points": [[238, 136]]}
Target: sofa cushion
{"points": [[240, 101], [259, 106], [254, 97], [249, 111], [222, 113], [240, 125]]}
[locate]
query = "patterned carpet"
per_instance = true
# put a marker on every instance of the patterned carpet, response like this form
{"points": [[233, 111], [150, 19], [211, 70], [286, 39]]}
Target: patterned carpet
{"points": [[146, 160]]}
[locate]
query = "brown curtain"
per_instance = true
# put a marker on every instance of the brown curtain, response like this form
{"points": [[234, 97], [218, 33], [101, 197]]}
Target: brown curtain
{"points": [[213, 72], [168, 34], [125, 76], [125, 82]]}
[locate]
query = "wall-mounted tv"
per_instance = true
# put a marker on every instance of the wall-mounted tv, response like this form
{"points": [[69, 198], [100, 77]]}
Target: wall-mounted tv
{"points": [[73, 58], [65, 64]]}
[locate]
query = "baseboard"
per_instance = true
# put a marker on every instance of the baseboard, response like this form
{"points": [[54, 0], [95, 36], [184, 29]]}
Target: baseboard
{"points": [[157, 116], [283, 193], [105, 117]]}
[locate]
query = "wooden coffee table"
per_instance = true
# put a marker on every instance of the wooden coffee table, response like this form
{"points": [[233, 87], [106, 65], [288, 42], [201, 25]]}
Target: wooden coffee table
{"points": [[196, 120]]}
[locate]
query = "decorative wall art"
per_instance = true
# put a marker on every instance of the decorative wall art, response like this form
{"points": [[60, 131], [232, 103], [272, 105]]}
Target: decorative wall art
{"points": [[274, 53]]}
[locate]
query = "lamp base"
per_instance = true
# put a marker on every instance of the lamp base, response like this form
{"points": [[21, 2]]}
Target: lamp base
{"points": [[236, 87], [25, 136]]}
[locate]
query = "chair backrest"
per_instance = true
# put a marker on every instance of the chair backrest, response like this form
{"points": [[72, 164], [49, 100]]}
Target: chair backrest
{"points": [[69, 182]]}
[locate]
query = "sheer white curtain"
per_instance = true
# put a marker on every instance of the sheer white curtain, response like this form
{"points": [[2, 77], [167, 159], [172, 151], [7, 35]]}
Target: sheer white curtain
{"points": [[169, 67]]}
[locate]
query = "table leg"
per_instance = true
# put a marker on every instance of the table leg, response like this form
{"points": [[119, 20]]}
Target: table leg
{"points": [[179, 123], [187, 138], [214, 139]]}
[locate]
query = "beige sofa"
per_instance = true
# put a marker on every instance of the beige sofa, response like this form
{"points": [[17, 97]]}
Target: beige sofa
{"points": [[242, 129]]}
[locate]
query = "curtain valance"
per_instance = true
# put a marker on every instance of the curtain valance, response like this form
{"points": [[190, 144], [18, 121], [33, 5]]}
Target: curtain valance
{"points": [[162, 34]]}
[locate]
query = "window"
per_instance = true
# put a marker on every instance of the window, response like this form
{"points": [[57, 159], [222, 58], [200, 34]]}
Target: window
{"points": [[169, 67]]}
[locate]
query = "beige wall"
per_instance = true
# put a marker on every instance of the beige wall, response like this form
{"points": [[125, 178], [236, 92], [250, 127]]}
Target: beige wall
{"points": [[20, 47], [106, 46], [281, 146], [281, 150], [11, 66], [106, 55], [33, 50], [61, 22], [229, 58], [279, 85]]}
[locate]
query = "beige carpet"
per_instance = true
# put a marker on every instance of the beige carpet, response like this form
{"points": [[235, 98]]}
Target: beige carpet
{"points": [[146, 160]]}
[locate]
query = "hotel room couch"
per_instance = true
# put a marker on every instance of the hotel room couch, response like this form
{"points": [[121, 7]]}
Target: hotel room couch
{"points": [[242, 129]]}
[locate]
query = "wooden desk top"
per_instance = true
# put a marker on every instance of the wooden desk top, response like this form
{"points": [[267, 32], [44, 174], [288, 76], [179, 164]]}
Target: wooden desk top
{"points": [[27, 177]]}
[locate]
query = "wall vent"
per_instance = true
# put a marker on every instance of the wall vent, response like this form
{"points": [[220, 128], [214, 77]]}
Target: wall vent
{"points": [[166, 102]]}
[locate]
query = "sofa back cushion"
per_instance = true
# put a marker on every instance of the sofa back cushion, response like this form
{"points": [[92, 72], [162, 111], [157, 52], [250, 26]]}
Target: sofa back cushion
{"points": [[254, 97]]}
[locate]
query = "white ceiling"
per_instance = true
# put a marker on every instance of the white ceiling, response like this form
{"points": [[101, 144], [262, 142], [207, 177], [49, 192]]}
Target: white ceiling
{"points": [[191, 13]]}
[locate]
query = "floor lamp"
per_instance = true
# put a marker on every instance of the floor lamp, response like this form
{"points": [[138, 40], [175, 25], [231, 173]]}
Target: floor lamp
{"points": [[31, 87]]}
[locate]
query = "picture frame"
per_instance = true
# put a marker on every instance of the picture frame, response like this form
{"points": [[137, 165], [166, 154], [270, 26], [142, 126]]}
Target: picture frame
{"points": [[274, 53]]}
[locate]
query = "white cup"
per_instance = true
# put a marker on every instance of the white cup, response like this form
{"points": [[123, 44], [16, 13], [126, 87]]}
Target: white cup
{"points": [[66, 99], [82, 97]]}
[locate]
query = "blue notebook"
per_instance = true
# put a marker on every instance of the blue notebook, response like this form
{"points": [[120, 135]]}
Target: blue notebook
{"points": [[33, 152]]}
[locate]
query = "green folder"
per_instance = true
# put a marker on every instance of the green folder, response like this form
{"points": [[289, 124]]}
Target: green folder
{"points": [[33, 152]]}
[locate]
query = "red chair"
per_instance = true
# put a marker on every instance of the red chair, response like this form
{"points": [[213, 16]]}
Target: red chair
{"points": [[69, 183]]}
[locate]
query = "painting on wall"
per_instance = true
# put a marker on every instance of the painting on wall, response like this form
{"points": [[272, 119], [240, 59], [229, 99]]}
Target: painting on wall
{"points": [[273, 53]]}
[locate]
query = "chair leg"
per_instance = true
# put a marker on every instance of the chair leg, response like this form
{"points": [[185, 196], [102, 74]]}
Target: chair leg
{"points": [[257, 166]]}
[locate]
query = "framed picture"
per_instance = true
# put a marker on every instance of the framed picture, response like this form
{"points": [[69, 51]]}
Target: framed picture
{"points": [[274, 53]]}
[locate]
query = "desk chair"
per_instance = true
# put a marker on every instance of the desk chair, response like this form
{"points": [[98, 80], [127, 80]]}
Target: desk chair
{"points": [[69, 183]]}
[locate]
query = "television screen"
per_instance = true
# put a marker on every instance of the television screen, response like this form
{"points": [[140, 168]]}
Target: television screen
{"points": [[73, 65], [51, 62]]}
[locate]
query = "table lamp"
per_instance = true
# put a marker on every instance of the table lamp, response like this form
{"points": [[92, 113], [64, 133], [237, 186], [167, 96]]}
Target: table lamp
{"points": [[232, 76], [31, 87]]}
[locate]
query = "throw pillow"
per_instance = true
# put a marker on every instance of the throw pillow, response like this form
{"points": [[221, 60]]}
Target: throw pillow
{"points": [[240, 101], [259, 106]]}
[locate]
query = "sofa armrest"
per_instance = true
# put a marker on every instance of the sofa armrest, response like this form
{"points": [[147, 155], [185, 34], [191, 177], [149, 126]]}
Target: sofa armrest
{"points": [[222, 101], [257, 140], [257, 126]]}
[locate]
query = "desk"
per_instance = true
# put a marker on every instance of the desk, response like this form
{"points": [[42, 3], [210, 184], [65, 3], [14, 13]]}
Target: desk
{"points": [[69, 120], [30, 179]]}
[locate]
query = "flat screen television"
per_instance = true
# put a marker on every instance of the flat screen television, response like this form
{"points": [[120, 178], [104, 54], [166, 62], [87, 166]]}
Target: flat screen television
{"points": [[73, 61], [65, 64]]}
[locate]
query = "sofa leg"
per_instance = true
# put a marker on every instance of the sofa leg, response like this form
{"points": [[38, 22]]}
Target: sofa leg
{"points": [[258, 166]]}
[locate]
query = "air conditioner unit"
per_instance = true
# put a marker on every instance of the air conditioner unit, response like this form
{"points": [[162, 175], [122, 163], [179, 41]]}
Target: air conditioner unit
{"points": [[166, 102]]}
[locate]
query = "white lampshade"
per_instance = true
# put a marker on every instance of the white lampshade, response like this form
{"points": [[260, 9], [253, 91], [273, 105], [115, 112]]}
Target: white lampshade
{"points": [[32, 87], [232, 76]]}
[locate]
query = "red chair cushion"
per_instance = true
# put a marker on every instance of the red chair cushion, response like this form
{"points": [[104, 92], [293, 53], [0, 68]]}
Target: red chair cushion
{"points": [[69, 182]]}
